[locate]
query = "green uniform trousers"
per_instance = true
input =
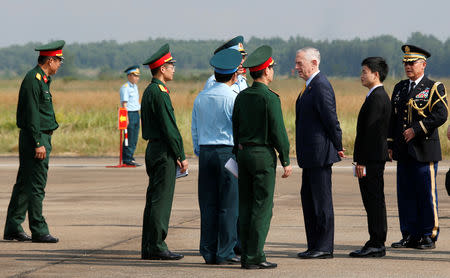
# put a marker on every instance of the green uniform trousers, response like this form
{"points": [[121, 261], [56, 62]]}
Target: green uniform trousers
{"points": [[257, 165], [28, 192], [161, 169]]}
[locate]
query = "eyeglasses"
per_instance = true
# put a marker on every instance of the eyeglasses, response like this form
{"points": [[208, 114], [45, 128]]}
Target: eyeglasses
{"points": [[412, 63]]}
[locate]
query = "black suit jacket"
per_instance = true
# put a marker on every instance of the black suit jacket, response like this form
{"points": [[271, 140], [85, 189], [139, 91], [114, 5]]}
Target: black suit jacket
{"points": [[372, 128], [318, 134], [425, 146]]}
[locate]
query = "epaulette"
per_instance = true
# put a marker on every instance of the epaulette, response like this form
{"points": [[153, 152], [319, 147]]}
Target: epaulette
{"points": [[274, 93], [38, 76], [163, 88], [125, 85]]}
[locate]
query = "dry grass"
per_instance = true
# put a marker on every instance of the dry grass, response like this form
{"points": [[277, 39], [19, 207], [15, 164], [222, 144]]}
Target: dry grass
{"points": [[86, 112]]}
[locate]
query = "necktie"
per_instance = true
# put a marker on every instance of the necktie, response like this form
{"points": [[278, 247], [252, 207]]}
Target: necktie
{"points": [[303, 90], [411, 88]]}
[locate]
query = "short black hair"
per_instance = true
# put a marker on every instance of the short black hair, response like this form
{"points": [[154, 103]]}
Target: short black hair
{"points": [[377, 64], [43, 59], [155, 70], [222, 78], [256, 74]]}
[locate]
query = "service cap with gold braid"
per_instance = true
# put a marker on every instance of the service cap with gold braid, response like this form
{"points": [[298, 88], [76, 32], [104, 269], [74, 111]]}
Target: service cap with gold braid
{"points": [[133, 70], [160, 57], [414, 53], [51, 49], [260, 59], [236, 43]]}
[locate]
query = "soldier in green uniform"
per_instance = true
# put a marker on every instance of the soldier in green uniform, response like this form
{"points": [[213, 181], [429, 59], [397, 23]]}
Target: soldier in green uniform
{"points": [[258, 129], [164, 152], [36, 120]]}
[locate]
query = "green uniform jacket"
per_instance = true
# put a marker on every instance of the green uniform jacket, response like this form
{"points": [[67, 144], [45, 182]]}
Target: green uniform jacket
{"points": [[158, 119], [258, 120], [35, 108]]}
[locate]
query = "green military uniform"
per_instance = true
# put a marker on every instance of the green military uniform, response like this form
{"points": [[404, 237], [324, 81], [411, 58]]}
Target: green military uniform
{"points": [[36, 120], [258, 128], [165, 147]]}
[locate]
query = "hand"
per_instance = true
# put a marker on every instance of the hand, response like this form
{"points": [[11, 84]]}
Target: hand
{"points": [[390, 155], [287, 171], [448, 132], [360, 171], [183, 165], [41, 153], [341, 153], [409, 134]]}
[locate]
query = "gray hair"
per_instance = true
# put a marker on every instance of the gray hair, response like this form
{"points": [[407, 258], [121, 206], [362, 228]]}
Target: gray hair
{"points": [[311, 53]]}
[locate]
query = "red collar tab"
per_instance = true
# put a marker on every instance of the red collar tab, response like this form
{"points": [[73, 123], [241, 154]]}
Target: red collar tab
{"points": [[263, 65], [45, 78], [164, 59], [51, 53]]}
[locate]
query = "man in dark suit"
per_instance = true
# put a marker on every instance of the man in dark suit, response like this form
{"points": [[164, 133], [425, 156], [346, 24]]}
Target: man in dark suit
{"points": [[371, 154], [419, 108], [318, 146]]}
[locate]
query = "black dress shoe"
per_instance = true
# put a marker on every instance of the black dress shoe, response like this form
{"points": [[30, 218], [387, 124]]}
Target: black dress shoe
{"points": [[303, 254], [20, 236], [164, 255], [317, 255], [407, 242], [263, 265], [45, 239], [426, 243], [234, 260], [135, 163], [366, 252]]}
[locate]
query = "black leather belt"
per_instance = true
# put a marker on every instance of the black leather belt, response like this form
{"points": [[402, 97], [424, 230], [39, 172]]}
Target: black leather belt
{"points": [[49, 132]]}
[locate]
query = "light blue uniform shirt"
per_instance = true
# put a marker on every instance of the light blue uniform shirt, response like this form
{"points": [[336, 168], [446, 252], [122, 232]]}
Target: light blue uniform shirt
{"points": [[129, 93], [211, 117], [237, 87]]}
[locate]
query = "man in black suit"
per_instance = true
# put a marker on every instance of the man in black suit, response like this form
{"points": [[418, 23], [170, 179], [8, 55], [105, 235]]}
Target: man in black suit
{"points": [[419, 108], [371, 154], [318, 146]]}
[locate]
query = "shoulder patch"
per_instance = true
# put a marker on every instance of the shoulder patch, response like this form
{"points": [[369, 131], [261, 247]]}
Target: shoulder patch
{"points": [[163, 88], [125, 85], [38, 76], [274, 93]]}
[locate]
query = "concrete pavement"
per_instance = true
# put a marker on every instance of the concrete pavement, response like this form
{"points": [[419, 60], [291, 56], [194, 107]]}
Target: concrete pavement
{"points": [[97, 214]]}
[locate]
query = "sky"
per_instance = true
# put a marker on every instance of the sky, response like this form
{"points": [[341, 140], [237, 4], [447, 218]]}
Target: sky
{"points": [[83, 21]]}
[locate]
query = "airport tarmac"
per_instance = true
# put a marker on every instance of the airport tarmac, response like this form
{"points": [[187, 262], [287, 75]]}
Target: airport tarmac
{"points": [[96, 212]]}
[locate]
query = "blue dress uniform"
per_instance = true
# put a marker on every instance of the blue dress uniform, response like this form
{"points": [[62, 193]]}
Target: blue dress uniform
{"points": [[129, 93], [212, 137], [423, 108]]}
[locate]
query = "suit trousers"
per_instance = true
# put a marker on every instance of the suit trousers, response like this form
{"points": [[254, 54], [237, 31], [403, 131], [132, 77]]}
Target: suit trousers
{"points": [[161, 169], [219, 201], [317, 206], [417, 198], [372, 193], [28, 192], [257, 165]]}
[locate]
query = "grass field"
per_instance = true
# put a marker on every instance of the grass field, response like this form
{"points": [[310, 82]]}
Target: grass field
{"points": [[87, 113]]}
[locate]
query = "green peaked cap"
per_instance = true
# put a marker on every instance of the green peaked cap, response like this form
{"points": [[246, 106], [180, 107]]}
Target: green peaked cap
{"points": [[226, 61], [159, 54], [258, 57], [56, 45]]}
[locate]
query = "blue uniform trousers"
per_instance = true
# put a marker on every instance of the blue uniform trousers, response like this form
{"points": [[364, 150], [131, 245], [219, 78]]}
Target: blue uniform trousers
{"points": [[417, 198], [133, 134], [219, 201], [317, 206]]}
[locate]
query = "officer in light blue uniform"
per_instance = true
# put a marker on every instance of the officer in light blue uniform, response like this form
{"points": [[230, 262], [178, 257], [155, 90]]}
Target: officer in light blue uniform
{"points": [[129, 99], [236, 43], [212, 137]]}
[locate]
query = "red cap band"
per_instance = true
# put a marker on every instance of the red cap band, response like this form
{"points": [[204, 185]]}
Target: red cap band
{"points": [[51, 53], [263, 65], [164, 59]]}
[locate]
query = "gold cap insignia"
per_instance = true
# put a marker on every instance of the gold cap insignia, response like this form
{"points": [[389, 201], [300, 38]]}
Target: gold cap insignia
{"points": [[407, 49]]}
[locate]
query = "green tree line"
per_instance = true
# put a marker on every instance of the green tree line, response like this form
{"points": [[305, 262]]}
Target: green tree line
{"points": [[340, 58]]}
